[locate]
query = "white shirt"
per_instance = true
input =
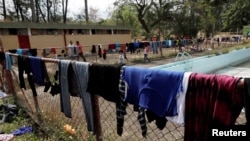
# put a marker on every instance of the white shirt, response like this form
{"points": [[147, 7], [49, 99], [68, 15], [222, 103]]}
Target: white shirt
{"points": [[121, 59], [180, 118], [71, 49]]}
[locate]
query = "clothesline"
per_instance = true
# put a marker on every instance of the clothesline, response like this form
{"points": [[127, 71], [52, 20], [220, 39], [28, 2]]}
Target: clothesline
{"points": [[240, 84], [217, 87]]}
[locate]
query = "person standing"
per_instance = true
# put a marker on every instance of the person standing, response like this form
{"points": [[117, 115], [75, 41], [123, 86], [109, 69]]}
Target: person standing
{"points": [[93, 50], [146, 51], [124, 48], [104, 54], [70, 51], [99, 51], [121, 58], [80, 54]]}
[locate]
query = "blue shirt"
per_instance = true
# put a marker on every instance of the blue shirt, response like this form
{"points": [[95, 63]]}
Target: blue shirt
{"points": [[153, 89]]}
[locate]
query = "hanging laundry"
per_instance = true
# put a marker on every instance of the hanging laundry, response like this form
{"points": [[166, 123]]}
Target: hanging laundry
{"points": [[24, 67], [121, 105], [12, 51], [153, 89], [211, 101], [53, 51], [8, 61], [33, 52], [112, 46], [181, 98], [46, 51], [2, 56], [124, 87], [247, 101], [19, 52], [81, 71], [53, 84], [39, 70], [117, 45], [64, 88], [104, 81]]}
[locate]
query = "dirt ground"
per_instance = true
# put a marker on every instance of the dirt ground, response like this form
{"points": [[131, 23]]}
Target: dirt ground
{"points": [[168, 56]]}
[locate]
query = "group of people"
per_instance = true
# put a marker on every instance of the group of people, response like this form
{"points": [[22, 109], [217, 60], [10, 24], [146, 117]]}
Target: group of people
{"points": [[74, 50], [123, 57]]}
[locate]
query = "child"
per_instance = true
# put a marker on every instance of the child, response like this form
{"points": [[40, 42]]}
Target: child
{"points": [[146, 51], [104, 54], [121, 58]]}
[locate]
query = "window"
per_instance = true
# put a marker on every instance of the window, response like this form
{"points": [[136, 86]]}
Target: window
{"points": [[109, 31], [80, 31], [93, 31], [13, 31], [71, 31]]}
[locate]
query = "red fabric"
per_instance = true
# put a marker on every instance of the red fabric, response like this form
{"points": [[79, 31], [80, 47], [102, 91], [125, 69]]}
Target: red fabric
{"points": [[53, 50], [211, 101], [112, 46]]}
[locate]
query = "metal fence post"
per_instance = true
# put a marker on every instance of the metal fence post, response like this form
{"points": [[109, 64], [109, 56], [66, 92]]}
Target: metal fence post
{"points": [[97, 119]]}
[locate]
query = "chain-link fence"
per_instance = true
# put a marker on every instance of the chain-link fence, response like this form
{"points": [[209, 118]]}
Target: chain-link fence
{"points": [[46, 111]]}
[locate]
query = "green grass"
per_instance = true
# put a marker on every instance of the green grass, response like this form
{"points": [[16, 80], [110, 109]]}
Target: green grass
{"points": [[20, 120]]}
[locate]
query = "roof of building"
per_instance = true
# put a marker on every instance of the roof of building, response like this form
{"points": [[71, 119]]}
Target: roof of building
{"points": [[58, 26]]}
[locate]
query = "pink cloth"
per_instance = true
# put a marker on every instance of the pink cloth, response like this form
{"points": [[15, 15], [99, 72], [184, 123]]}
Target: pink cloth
{"points": [[6, 137]]}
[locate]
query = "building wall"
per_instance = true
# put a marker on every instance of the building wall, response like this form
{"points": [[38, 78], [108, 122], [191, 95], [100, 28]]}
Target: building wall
{"points": [[57, 41], [10, 41], [46, 41]]}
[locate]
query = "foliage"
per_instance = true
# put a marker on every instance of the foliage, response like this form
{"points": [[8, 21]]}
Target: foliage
{"points": [[237, 15], [124, 16]]}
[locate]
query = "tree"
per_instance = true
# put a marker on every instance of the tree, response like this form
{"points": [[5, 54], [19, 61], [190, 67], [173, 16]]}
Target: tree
{"points": [[124, 15], [93, 15], [152, 15], [237, 15], [32, 5], [64, 10], [55, 13]]}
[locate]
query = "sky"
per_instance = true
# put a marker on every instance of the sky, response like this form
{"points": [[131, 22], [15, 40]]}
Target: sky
{"points": [[103, 6]]}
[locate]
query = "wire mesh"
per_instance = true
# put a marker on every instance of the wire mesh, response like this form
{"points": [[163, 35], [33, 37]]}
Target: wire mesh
{"points": [[49, 116]]}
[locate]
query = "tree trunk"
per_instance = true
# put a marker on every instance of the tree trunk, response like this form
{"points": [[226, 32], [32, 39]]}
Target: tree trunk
{"points": [[41, 12], [86, 11], [33, 10], [4, 10], [37, 11], [16, 3], [21, 12], [48, 10], [65, 8]]}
